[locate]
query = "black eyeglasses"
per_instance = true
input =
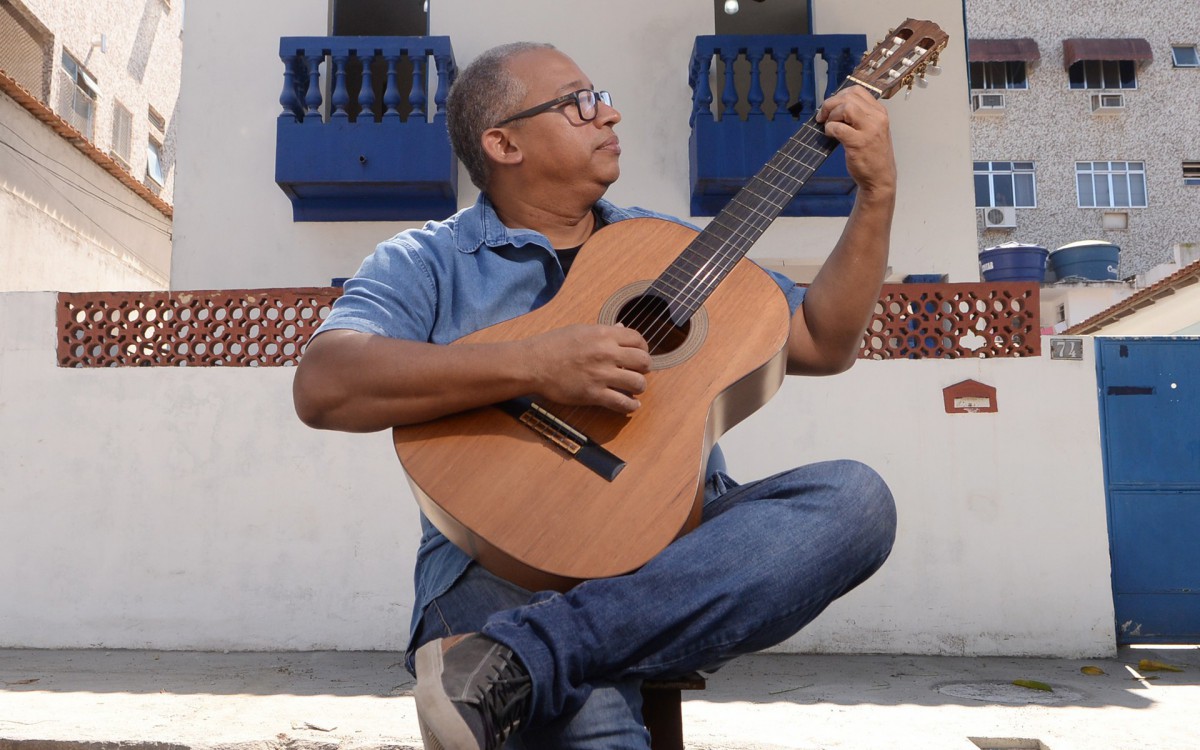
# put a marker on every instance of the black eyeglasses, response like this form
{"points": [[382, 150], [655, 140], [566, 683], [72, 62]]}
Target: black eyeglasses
{"points": [[586, 101]]}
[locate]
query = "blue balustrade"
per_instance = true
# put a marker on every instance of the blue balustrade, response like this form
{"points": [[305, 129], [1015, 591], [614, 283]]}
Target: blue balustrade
{"points": [[730, 145], [359, 138]]}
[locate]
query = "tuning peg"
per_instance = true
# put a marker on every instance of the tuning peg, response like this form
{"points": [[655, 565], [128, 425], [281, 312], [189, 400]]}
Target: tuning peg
{"points": [[921, 82], [933, 70]]}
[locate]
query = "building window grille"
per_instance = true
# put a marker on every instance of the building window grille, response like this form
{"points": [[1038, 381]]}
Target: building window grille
{"points": [[122, 135], [1111, 184], [25, 49], [1103, 74], [1005, 183], [78, 92]]}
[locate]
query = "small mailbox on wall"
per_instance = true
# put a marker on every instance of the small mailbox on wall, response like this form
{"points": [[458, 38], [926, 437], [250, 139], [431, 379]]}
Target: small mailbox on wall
{"points": [[969, 397]]}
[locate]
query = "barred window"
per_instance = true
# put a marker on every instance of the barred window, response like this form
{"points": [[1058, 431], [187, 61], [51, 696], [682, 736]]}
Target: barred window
{"points": [[77, 93], [122, 135]]}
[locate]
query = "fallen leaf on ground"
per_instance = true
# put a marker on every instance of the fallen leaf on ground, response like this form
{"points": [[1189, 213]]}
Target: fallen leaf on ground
{"points": [[1033, 685], [1150, 665], [310, 725], [1094, 671]]}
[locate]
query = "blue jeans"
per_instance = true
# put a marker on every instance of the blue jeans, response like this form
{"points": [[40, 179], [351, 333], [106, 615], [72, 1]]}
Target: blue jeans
{"points": [[768, 558]]}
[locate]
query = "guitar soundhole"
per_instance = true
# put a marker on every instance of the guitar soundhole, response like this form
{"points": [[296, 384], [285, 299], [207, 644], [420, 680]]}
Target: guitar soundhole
{"points": [[650, 316]]}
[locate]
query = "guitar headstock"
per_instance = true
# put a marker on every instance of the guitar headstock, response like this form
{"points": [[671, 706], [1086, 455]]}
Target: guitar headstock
{"points": [[909, 52]]}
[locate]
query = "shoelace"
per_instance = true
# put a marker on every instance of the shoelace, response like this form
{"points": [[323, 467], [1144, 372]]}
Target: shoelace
{"points": [[505, 701]]}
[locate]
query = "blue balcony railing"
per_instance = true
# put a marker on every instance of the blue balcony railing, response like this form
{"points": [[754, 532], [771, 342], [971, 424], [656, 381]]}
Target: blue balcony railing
{"points": [[366, 141], [730, 146]]}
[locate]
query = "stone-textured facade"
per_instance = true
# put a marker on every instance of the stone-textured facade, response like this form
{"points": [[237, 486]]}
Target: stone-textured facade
{"points": [[1054, 126], [133, 50]]}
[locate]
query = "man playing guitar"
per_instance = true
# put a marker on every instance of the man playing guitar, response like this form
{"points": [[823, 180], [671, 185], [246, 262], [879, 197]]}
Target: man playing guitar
{"points": [[551, 668]]}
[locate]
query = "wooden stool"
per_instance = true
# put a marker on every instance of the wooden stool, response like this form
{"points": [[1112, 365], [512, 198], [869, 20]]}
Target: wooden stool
{"points": [[662, 709]]}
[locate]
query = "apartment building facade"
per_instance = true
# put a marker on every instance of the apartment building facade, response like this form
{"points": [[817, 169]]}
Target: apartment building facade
{"points": [[88, 109], [1084, 125]]}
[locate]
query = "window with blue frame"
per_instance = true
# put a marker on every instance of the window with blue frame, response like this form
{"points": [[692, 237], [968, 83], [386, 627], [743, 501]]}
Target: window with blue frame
{"points": [[1005, 183]]}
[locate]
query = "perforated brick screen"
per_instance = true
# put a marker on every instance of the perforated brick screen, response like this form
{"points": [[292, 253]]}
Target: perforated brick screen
{"points": [[231, 327], [269, 327], [948, 321]]}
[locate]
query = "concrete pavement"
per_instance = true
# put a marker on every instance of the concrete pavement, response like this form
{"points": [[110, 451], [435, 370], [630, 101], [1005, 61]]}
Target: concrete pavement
{"points": [[163, 700]]}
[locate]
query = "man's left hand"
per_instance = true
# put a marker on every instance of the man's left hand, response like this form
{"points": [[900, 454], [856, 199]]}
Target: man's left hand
{"points": [[860, 122]]}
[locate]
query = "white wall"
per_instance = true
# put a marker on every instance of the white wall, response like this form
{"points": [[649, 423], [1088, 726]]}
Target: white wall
{"points": [[1002, 544], [934, 231], [188, 508], [233, 225], [1178, 313]]}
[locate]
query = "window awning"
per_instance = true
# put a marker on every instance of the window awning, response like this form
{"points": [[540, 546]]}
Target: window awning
{"points": [[1075, 50], [1003, 50]]}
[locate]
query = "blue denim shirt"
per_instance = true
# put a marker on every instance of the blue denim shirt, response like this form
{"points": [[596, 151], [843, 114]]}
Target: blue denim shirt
{"points": [[446, 280]]}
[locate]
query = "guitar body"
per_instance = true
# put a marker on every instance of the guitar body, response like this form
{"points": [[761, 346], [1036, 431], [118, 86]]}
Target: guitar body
{"points": [[530, 511]]}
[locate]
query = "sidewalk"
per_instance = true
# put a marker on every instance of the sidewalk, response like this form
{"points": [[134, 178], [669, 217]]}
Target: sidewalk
{"points": [[146, 700]]}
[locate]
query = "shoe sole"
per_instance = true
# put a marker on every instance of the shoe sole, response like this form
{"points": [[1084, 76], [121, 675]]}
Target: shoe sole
{"points": [[434, 707]]}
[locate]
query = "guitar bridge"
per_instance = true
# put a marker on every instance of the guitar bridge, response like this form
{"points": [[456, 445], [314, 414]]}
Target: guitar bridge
{"points": [[564, 437], [553, 429]]}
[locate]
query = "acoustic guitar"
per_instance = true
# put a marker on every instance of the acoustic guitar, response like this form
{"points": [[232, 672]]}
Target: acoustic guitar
{"points": [[547, 495]]}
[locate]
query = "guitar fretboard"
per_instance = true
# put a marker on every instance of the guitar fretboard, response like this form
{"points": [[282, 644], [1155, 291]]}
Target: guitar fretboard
{"points": [[705, 263]]}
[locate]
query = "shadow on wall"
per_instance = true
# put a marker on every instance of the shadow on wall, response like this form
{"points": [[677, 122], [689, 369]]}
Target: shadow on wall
{"points": [[143, 43]]}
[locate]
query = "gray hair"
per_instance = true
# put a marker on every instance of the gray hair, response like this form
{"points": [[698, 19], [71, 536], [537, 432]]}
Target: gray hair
{"points": [[483, 94]]}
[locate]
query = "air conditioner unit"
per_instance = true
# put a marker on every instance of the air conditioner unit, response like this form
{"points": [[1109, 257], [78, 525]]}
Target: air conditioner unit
{"points": [[999, 217], [987, 102], [1108, 102]]}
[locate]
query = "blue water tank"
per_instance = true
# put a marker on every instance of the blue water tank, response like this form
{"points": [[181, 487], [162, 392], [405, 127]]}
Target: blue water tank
{"points": [[1087, 260], [1013, 261]]}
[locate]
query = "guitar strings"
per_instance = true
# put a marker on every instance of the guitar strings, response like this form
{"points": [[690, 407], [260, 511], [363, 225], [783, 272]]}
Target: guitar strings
{"points": [[696, 287], [708, 272], [730, 249], [705, 276]]}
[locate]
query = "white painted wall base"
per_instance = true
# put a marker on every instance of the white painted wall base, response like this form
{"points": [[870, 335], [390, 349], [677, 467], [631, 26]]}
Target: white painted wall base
{"points": [[187, 508]]}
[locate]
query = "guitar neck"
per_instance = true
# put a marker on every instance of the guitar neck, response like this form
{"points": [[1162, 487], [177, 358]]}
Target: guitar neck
{"points": [[695, 274]]}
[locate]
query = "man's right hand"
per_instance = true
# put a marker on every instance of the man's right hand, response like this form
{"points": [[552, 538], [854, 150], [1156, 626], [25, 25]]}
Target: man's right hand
{"points": [[359, 382], [591, 365]]}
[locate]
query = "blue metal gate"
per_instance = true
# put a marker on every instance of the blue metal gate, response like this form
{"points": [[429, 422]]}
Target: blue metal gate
{"points": [[1150, 426]]}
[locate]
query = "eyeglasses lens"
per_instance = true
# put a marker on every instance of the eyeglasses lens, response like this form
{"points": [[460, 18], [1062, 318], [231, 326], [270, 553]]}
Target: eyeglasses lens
{"points": [[587, 101]]}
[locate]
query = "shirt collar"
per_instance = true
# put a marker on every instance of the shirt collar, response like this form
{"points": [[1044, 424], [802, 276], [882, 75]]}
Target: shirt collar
{"points": [[481, 226]]}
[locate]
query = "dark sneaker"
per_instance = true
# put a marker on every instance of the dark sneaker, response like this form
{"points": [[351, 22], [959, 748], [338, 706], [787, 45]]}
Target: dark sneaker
{"points": [[471, 693]]}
